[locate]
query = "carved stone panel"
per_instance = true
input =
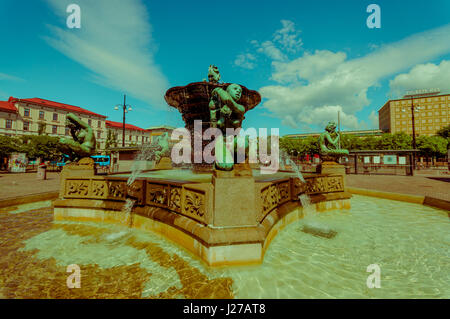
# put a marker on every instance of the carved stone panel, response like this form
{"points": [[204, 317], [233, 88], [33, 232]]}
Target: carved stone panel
{"points": [[326, 184], [137, 191], [77, 188], [117, 190], [194, 204], [99, 189], [175, 199], [157, 194]]}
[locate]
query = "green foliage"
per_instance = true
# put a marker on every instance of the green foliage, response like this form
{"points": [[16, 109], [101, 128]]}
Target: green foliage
{"points": [[111, 140], [41, 146], [9, 145], [444, 132], [308, 145], [432, 145]]}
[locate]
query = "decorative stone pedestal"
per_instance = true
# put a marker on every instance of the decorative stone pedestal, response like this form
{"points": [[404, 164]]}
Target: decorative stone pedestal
{"points": [[234, 199], [84, 168]]}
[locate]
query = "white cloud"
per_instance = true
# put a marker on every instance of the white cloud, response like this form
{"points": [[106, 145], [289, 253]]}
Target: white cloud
{"points": [[245, 61], [423, 76], [284, 41], [320, 82], [270, 50], [115, 43], [288, 37]]}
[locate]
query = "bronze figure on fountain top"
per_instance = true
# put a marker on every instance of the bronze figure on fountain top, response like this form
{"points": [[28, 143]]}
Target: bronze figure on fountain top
{"points": [[224, 109], [83, 143], [329, 141]]}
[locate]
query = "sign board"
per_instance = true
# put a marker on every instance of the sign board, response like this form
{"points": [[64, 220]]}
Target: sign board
{"points": [[17, 163], [376, 160], [402, 160], [366, 159], [390, 159]]}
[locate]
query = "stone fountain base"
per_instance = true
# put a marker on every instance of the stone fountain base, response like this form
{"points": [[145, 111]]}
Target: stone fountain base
{"points": [[230, 220]]}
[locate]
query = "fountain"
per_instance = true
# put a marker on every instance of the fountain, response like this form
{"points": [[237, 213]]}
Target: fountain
{"points": [[226, 212]]}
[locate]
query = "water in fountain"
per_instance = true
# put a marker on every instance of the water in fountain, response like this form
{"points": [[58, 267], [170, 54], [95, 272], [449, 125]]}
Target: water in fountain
{"points": [[126, 211], [145, 153]]}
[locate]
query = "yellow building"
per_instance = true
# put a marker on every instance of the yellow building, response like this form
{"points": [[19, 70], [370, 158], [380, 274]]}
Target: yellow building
{"points": [[38, 116], [431, 113], [134, 135]]}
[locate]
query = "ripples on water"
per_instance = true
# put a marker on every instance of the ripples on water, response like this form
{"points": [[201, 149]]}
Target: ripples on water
{"points": [[409, 242]]}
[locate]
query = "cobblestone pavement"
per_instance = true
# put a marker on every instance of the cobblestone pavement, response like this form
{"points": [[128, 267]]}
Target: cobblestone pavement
{"points": [[432, 186], [13, 185]]}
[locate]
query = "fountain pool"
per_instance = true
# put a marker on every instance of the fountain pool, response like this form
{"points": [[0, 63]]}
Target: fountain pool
{"points": [[409, 242]]}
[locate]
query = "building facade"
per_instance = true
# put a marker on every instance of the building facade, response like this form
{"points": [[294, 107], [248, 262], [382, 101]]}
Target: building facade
{"points": [[44, 117], [431, 113], [134, 135], [155, 131]]}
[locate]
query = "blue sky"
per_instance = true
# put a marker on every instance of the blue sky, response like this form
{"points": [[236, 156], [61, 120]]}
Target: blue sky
{"points": [[308, 59]]}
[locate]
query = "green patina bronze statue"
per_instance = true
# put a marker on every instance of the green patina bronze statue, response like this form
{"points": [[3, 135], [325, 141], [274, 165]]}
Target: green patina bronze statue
{"points": [[329, 142], [224, 109], [83, 143], [226, 112], [160, 147], [213, 74]]}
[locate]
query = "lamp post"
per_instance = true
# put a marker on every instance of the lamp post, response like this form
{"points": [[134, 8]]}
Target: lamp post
{"points": [[125, 110], [417, 108]]}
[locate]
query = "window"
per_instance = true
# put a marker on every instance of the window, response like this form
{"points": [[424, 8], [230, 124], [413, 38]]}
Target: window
{"points": [[54, 129], [26, 126], [55, 116], [99, 124], [90, 122], [26, 112], [130, 138], [41, 115], [67, 132], [99, 134], [8, 124]]}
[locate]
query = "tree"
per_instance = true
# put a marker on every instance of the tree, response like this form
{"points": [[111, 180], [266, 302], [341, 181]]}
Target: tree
{"points": [[435, 146], [444, 132], [9, 145], [41, 146], [111, 140]]}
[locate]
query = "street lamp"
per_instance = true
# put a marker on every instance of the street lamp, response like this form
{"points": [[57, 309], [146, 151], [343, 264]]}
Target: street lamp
{"points": [[417, 109], [126, 108]]}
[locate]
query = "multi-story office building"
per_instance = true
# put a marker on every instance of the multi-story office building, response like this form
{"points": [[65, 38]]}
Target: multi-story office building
{"points": [[431, 113], [38, 116], [134, 135]]}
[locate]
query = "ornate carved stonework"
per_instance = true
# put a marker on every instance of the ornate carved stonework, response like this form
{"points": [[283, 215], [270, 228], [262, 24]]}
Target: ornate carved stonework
{"points": [[175, 199], [77, 188], [117, 190], [275, 195], [157, 194], [194, 204], [137, 191], [99, 189], [326, 184]]}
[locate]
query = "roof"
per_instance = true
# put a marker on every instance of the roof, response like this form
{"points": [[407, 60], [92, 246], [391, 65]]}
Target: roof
{"points": [[62, 106], [167, 127], [120, 125], [7, 106]]}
